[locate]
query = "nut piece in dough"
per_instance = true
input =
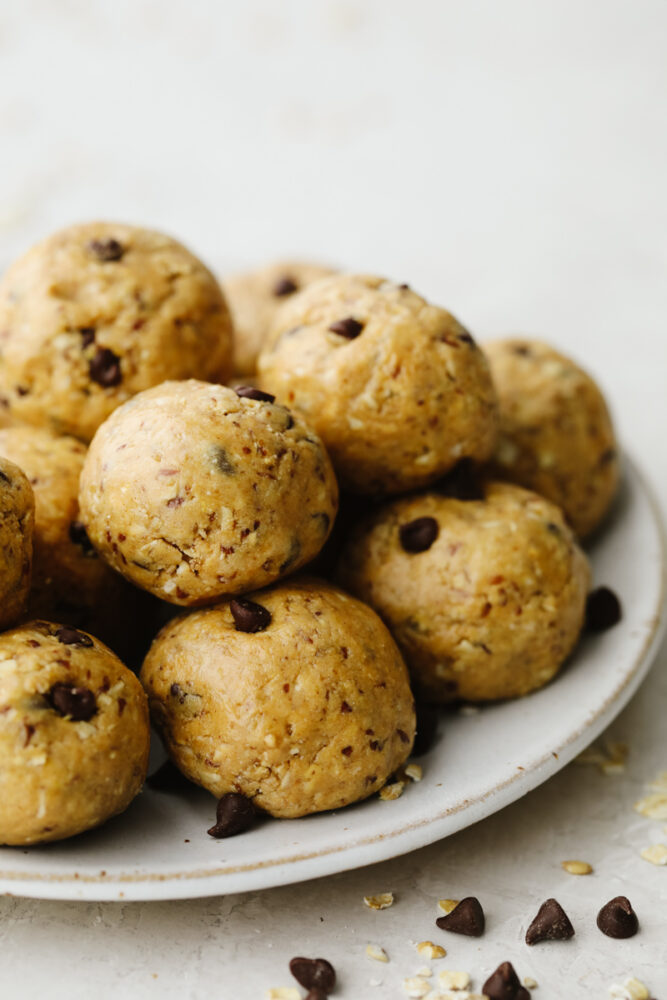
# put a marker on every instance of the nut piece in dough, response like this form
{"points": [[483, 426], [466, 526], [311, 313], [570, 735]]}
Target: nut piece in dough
{"points": [[487, 604], [17, 516], [311, 712], [193, 492], [556, 435], [396, 388], [254, 298], [74, 733], [98, 312]]}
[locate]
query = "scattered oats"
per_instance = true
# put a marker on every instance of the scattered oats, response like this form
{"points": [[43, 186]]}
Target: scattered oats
{"points": [[530, 983], [654, 806], [656, 854], [469, 710], [393, 791], [577, 867], [613, 767], [414, 772], [381, 902], [610, 759], [424, 972], [430, 950], [283, 993], [377, 953], [632, 989], [415, 986], [447, 905], [450, 979]]}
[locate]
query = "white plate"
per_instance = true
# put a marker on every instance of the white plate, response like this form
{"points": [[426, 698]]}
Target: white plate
{"points": [[159, 848]]}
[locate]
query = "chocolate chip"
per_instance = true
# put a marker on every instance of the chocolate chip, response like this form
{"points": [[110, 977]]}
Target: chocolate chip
{"points": [[607, 456], [79, 536], [104, 368], [248, 616], [467, 338], [504, 984], [285, 286], [76, 702], [603, 610], [5, 478], [418, 535], [314, 974], [551, 924], [87, 335], [464, 482], [617, 919], [315, 995], [348, 328], [235, 814], [168, 779], [427, 725], [221, 460], [522, 350], [466, 918], [72, 637], [106, 250], [250, 392]]}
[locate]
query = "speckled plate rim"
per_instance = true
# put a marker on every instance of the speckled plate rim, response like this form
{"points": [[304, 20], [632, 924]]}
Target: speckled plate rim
{"points": [[370, 848]]}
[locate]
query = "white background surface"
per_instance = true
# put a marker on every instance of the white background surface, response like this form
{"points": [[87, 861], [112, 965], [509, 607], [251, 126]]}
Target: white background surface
{"points": [[508, 160]]}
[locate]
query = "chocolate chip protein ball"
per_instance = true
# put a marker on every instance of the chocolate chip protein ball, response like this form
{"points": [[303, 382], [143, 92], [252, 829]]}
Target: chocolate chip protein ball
{"points": [[17, 516], [74, 733], [396, 388], [485, 598], [556, 435], [296, 697], [255, 297], [69, 581], [194, 490], [98, 312]]}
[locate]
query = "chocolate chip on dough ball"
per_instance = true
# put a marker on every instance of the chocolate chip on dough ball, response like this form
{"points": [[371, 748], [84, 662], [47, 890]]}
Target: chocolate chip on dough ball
{"points": [[396, 388], [299, 700], [74, 733], [486, 598], [98, 312], [17, 517], [556, 435], [193, 491]]}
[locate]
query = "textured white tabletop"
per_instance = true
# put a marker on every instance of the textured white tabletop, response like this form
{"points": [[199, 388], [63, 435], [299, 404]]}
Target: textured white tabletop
{"points": [[508, 160]]}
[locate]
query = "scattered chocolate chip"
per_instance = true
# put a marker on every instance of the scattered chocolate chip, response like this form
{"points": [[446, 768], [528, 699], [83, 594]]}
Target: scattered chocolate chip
{"points": [[250, 392], [603, 610], [79, 536], [106, 250], [72, 637], [522, 350], [22, 390], [464, 482], [467, 338], [404, 287], [5, 478], [221, 460], [607, 456], [418, 535], [314, 974], [617, 919], [87, 335], [104, 368], [427, 725], [348, 328], [345, 707], [285, 286], [77, 702], [248, 616], [466, 918], [403, 736], [168, 778], [235, 814], [551, 924], [504, 984]]}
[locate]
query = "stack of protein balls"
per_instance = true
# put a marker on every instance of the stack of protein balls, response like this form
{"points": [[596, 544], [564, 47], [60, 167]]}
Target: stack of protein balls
{"points": [[132, 475]]}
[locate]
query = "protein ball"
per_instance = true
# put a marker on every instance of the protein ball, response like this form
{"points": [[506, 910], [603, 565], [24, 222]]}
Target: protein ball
{"points": [[17, 515]]}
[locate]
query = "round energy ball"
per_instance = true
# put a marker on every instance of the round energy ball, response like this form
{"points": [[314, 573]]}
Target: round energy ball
{"points": [[193, 491], [556, 435], [17, 516], [98, 312], [295, 697], [255, 297], [396, 388], [485, 598], [74, 733]]}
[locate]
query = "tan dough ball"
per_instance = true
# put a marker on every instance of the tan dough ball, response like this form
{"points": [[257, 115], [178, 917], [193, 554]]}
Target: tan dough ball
{"points": [[312, 712], [69, 581], [192, 491], [485, 598], [98, 312], [556, 435], [74, 733], [17, 517], [254, 298], [396, 388]]}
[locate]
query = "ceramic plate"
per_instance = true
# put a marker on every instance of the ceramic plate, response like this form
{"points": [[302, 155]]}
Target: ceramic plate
{"points": [[159, 848]]}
